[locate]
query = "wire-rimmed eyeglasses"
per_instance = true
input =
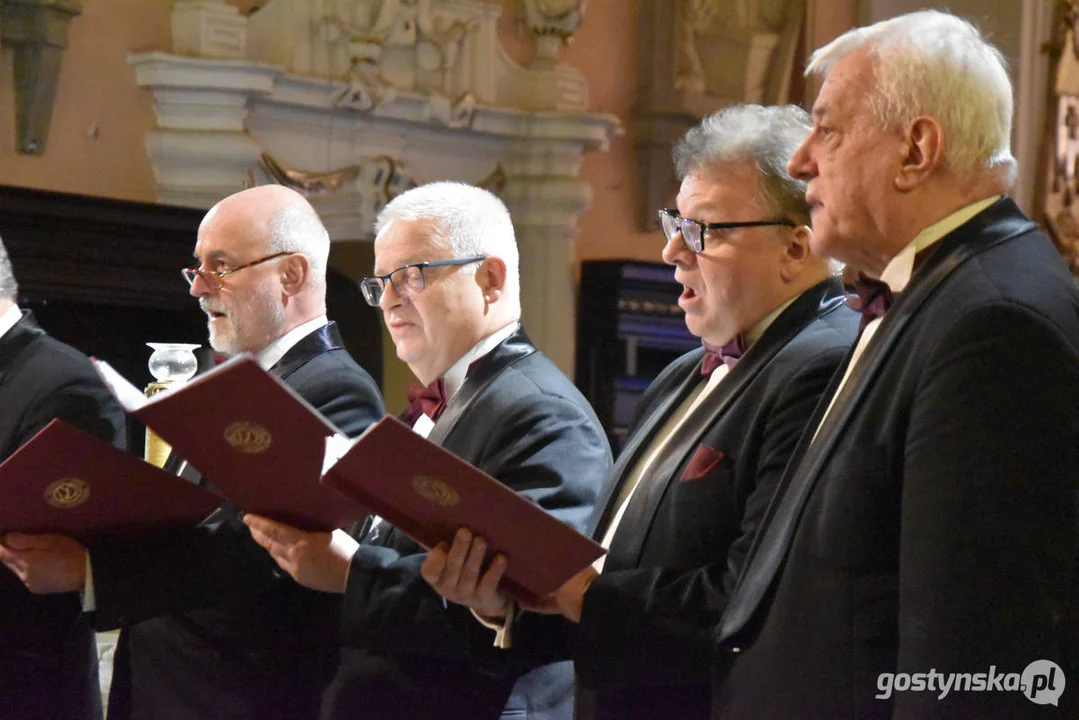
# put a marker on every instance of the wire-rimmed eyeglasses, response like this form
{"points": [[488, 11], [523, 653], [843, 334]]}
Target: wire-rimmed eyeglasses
{"points": [[214, 278], [693, 231], [407, 280]]}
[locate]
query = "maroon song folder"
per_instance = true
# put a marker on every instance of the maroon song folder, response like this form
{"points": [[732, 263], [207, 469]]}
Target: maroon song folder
{"points": [[252, 437], [66, 481], [428, 492]]}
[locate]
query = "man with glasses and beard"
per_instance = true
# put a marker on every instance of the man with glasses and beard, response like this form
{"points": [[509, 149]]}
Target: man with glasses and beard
{"points": [[210, 628], [447, 283]]}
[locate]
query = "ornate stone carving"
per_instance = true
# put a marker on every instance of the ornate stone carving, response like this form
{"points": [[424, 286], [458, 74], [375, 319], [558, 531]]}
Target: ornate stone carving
{"points": [[435, 98], [1060, 188], [695, 56]]}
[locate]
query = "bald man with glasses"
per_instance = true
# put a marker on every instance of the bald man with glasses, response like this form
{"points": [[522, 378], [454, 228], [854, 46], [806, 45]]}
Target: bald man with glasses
{"points": [[447, 284], [210, 628]]}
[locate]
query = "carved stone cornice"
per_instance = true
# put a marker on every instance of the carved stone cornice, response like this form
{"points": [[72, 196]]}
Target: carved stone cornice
{"points": [[217, 117]]}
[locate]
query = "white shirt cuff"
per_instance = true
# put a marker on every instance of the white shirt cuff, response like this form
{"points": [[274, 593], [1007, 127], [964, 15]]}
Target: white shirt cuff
{"points": [[89, 601], [503, 627]]}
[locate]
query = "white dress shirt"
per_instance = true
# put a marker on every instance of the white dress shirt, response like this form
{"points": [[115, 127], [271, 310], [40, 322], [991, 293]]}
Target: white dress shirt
{"points": [[9, 319]]}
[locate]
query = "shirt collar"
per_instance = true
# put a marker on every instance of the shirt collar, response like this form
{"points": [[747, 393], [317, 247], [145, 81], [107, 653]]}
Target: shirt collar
{"points": [[455, 376], [272, 353], [898, 272], [755, 332], [9, 319]]}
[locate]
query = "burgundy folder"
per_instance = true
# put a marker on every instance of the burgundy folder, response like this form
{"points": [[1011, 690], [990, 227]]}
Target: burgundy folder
{"points": [[261, 445], [66, 481], [428, 492]]}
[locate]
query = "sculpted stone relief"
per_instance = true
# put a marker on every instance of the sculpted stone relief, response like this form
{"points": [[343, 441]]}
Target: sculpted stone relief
{"points": [[696, 56], [1061, 185]]}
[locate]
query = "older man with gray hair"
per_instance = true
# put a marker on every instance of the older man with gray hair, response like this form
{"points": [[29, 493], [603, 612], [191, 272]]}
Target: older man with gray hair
{"points": [[920, 559], [713, 432], [446, 280]]}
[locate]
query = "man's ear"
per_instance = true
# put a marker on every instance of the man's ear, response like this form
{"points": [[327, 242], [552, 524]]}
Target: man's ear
{"points": [[491, 277], [924, 153], [294, 270], [795, 252]]}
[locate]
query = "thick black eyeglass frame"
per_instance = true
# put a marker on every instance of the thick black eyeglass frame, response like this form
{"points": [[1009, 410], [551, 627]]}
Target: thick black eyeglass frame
{"points": [[192, 272], [697, 245], [373, 286]]}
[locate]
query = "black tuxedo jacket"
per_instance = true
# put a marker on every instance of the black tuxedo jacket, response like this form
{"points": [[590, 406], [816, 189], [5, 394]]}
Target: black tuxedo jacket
{"points": [[211, 628], [643, 643], [518, 418], [48, 659], [933, 526]]}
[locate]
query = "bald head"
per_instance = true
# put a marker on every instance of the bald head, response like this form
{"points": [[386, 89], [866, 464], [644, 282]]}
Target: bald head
{"points": [[273, 249]]}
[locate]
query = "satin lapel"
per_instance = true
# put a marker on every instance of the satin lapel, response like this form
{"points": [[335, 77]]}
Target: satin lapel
{"points": [[490, 366], [324, 339], [640, 514], [638, 441], [1000, 223]]}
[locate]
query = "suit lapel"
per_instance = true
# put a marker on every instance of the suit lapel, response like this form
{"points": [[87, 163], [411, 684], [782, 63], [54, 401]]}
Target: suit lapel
{"points": [[324, 339], [640, 514], [638, 441], [486, 369], [1001, 222]]}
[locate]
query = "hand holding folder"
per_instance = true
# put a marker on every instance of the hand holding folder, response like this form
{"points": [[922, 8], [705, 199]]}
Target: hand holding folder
{"points": [[263, 447]]}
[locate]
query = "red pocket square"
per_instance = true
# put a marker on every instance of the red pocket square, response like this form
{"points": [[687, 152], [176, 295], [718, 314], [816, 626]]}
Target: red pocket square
{"points": [[704, 459]]}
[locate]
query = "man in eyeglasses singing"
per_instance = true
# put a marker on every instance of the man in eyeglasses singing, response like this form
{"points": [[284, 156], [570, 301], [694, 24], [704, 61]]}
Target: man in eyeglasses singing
{"points": [[711, 437], [447, 283], [210, 628]]}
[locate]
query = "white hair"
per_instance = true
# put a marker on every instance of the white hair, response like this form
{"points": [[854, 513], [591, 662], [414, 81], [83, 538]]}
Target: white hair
{"points": [[763, 136], [8, 287], [297, 228], [467, 220], [934, 63]]}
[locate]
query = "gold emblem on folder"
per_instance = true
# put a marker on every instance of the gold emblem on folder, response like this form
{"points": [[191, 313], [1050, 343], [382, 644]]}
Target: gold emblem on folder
{"points": [[248, 437], [67, 493], [435, 490]]}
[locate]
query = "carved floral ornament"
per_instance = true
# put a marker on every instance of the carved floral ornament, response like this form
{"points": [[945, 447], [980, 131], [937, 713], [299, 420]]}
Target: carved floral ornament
{"points": [[1061, 184]]}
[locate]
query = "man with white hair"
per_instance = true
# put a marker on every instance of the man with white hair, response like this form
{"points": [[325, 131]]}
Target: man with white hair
{"points": [[446, 280], [920, 557], [209, 627], [48, 664]]}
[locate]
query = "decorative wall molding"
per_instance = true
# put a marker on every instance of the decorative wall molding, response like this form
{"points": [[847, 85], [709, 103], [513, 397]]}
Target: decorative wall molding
{"points": [[297, 97]]}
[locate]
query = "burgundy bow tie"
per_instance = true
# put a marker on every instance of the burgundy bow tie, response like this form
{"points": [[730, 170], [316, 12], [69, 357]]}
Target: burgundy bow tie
{"points": [[872, 297], [429, 401], [727, 355]]}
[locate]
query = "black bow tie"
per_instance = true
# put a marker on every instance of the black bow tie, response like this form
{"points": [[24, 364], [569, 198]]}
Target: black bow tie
{"points": [[727, 355], [872, 298]]}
